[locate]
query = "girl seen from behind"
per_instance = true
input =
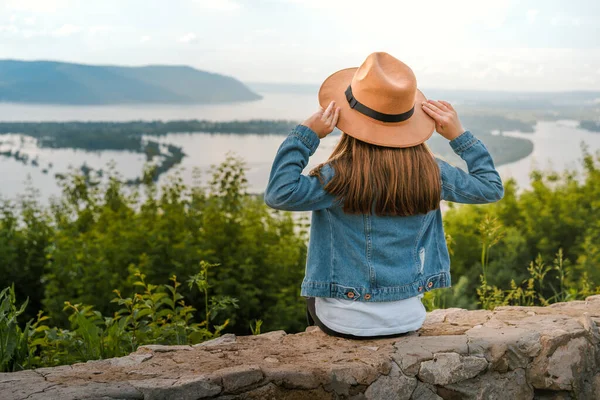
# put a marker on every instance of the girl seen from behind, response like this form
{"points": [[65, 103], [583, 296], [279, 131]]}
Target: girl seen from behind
{"points": [[376, 240]]}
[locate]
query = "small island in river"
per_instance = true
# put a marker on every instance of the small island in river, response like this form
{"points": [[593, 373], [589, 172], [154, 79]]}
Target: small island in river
{"points": [[134, 137]]}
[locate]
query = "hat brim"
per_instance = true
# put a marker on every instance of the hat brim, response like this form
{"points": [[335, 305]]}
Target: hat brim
{"points": [[415, 130]]}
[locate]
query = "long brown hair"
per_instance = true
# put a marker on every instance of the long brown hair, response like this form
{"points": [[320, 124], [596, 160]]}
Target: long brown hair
{"points": [[395, 181]]}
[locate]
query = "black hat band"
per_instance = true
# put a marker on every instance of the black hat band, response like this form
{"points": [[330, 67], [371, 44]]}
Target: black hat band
{"points": [[369, 112]]}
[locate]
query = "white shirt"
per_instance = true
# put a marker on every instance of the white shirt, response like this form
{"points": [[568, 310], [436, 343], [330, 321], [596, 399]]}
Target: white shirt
{"points": [[361, 318]]}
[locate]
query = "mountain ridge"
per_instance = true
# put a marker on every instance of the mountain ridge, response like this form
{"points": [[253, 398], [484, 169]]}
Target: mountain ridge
{"points": [[56, 82]]}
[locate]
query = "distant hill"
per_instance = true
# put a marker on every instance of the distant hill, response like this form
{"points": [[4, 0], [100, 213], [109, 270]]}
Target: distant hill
{"points": [[65, 83]]}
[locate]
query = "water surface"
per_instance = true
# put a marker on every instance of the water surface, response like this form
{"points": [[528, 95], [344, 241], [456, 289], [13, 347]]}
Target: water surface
{"points": [[556, 144]]}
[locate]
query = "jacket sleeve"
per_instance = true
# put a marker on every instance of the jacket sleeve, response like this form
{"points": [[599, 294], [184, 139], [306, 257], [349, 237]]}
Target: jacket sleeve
{"points": [[287, 188], [482, 184]]}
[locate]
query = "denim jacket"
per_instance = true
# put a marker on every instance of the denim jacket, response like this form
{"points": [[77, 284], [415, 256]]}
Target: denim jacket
{"points": [[369, 257]]}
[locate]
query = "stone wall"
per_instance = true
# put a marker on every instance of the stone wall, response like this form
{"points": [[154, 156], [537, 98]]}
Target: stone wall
{"points": [[510, 353]]}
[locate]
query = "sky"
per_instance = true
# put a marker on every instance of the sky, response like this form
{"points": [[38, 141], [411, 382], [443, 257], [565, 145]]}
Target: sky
{"points": [[527, 45]]}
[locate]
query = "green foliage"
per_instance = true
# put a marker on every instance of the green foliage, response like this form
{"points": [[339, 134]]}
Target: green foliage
{"points": [[530, 291], [93, 238], [25, 234], [217, 304], [16, 343], [158, 314], [454, 296], [560, 211], [491, 234], [261, 252], [256, 328]]}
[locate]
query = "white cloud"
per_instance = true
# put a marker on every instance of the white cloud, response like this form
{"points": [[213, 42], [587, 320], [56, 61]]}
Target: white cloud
{"points": [[468, 68], [532, 15], [14, 30], [29, 33], [565, 21], [97, 29], [13, 18], [258, 34], [508, 69], [423, 24], [415, 13], [28, 30], [588, 80], [9, 29], [219, 5], [188, 38], [42, 6], [145, 39], [66, 30], [265, 31]]}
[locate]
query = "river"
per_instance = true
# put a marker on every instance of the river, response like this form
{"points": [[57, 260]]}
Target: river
{"points": [[557, 144]]}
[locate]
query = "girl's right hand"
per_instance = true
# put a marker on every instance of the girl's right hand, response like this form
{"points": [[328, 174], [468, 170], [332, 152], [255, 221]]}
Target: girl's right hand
{"points": [[446, 120], [323, 121]]}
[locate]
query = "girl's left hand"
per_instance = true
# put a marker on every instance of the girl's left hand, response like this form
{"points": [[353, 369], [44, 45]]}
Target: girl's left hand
{"points": [[446, 119], [323, 121]]}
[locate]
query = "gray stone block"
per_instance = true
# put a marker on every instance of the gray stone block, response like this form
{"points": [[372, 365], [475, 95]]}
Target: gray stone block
{"points": [[425, 391], [185, 388], [395, 385], [490, 386], [236, 378], [447, 368]]}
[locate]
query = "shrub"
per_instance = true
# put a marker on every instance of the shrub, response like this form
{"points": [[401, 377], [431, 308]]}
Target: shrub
{"points": [[157, 315]]}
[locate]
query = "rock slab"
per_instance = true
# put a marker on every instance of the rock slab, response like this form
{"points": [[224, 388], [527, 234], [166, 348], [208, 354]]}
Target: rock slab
{"points": [[508, 353]]}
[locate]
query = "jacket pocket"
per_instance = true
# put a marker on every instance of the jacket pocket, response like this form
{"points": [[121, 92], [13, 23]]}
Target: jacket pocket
{"points": [[422, 259]]}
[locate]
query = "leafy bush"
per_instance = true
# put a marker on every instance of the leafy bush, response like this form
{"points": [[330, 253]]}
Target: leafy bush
{"points": [[158, 314], [15, 350], [530, 292], [87, 242], [25, 234], [511, 242]]}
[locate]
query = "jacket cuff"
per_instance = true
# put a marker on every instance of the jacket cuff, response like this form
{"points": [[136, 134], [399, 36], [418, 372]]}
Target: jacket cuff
{"points": [[463, 142], [307, 136]]}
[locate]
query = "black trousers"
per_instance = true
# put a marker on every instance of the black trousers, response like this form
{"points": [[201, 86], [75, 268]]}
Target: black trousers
{"points": [[312, 319]]}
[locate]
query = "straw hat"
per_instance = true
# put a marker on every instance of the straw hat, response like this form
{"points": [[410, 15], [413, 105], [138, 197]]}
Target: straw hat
{"points": [[379, 102]]}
